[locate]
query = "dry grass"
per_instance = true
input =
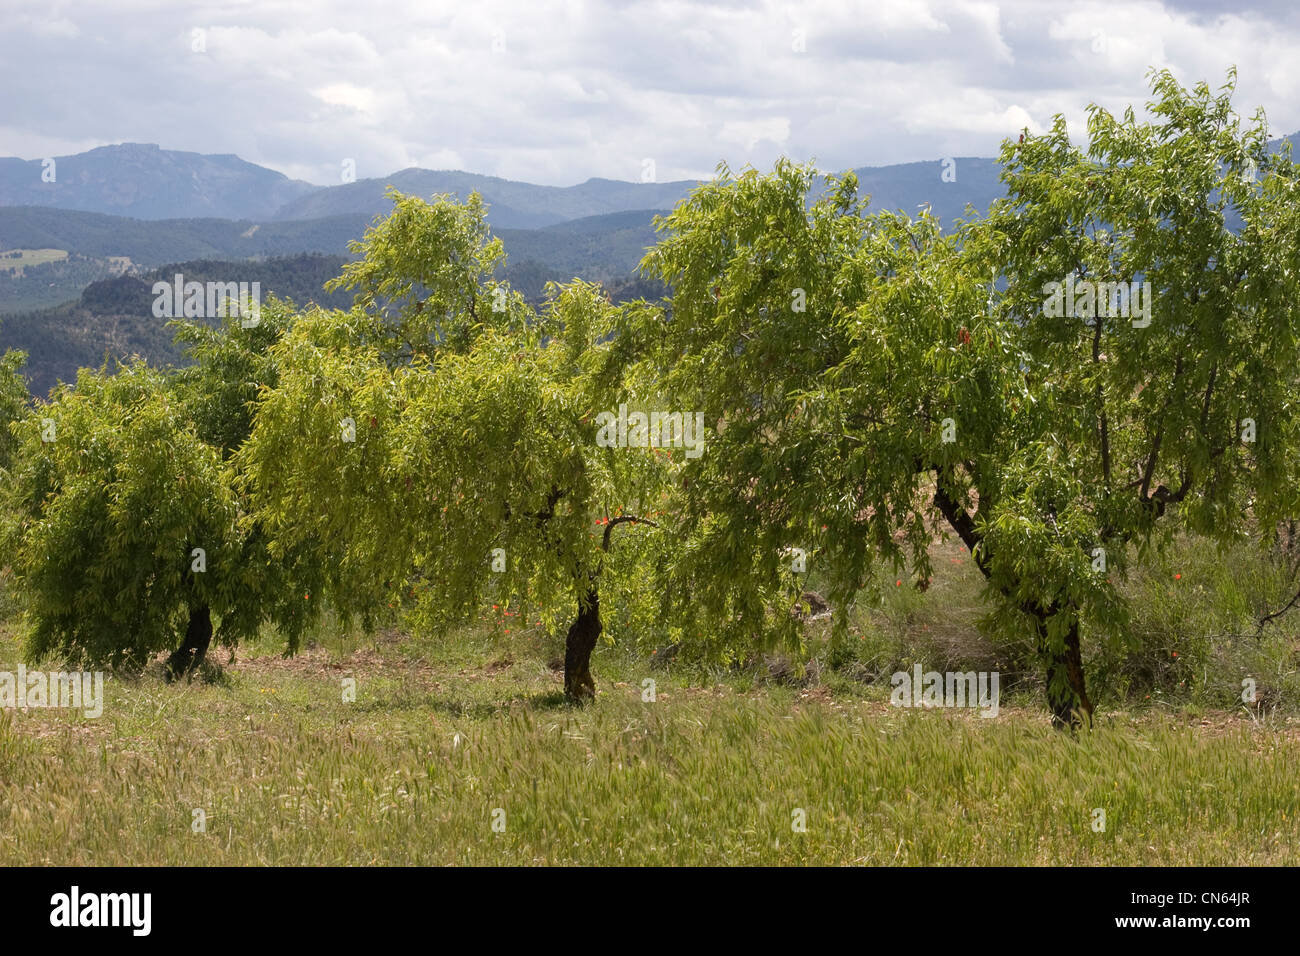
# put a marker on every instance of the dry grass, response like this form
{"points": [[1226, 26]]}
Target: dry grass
{"points": [[710, 772]]}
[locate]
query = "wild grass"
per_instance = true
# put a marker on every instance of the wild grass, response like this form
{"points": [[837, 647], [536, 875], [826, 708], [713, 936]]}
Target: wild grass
{"points": [[719, 765], [442, 742]]}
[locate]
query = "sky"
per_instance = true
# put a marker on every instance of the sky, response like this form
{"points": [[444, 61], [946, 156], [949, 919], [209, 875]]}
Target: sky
{"points": [[559, 92]]}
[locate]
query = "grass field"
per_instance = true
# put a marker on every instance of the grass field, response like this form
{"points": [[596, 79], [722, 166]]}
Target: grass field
{"points": [[29, 257], [444, 740]]}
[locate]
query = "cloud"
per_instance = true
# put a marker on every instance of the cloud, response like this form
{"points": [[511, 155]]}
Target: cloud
{"points": [[750, 133], [345, 94], [557, 93]]}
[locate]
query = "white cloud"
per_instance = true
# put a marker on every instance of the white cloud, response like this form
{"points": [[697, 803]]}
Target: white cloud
{"points": [[345, 94], [583, 88], [750, 133]]}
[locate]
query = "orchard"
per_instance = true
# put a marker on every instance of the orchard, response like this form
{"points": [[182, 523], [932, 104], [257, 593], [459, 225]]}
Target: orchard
{"points": [[1103, 362]]}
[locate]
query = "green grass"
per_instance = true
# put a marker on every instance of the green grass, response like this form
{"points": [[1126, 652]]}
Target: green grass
{"points": [[445, 732], [29, 257], [711, 772], [1191, 641]]}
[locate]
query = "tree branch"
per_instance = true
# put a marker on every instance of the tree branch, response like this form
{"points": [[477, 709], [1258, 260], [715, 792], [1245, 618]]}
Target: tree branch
{"points": [[622, 519], [1101, 407], [961, 522], [1276, 614], [1209, 391]]}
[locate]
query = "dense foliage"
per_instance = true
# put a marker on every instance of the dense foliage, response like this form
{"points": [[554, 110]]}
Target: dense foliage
{"points": [[873, 380], [437, 440], [1104, 360]]}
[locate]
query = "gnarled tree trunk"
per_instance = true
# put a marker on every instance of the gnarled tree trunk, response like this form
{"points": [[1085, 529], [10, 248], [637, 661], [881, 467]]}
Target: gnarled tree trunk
{"points": [[1070, 707], [583, 634], [198, 635]]}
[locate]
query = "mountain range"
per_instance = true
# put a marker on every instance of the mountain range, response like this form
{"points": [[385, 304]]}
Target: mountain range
{"points": [[143, 181], [232, 207], [69, 224]]}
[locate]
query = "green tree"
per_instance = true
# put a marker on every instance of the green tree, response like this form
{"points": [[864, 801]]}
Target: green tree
{"points": [[872, 379], [438, 439], [124, 524], [14, 402], [129, 524], [231, 363]]}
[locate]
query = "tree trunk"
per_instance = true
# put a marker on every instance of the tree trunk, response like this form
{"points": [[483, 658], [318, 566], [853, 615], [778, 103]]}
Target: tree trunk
{"points": [[198, 635], [583, 634], [1070, 707]]}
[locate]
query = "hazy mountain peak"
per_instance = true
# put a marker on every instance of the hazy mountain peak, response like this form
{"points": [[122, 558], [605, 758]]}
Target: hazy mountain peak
{"points": [[145, 181]]}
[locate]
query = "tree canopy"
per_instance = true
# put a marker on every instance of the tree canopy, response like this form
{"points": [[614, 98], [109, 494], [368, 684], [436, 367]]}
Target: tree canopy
{"points": [[1103, 361], [437, 439], [873, 379]]}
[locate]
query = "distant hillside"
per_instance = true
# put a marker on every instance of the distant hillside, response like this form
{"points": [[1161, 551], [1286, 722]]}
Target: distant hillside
{"points": [[114, 317], [35, 278], [513, 205], [598, 247], [146, 182], [153, 242], [301, 278], [61, 340], [910, 185]]}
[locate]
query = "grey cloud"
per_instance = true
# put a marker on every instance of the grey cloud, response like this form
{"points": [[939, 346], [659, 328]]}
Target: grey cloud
{"points": [[583, 90]]}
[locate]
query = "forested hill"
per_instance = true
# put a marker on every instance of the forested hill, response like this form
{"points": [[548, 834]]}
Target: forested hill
{"points": [[66, 250], [113, 318], [154, 242]]}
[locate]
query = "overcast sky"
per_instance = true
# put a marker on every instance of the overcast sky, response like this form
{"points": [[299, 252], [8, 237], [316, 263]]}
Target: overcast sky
{"points": [[559, 92]]}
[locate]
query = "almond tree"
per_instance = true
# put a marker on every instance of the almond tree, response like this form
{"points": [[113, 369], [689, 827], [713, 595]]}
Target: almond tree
{"points": [[230, 363], [124, 528], [438, 440], [872, 378], [126, 525]]}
